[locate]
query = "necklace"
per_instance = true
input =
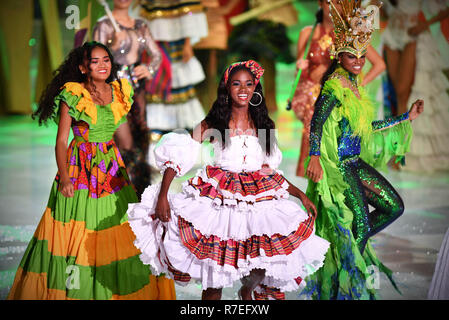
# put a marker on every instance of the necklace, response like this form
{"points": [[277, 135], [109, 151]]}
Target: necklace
{"points": [[347, 78]]}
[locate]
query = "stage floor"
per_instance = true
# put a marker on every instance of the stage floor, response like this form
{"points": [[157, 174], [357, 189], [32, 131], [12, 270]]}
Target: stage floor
{"points": [[409, 246]]}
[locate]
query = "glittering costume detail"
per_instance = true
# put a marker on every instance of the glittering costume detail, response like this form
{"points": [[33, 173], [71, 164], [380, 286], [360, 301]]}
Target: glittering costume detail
{"points": [[353, 27], [351, 110], [350, 143], [389, 122], [367, 186], [156, 9], [323, 108], [137, 41]]}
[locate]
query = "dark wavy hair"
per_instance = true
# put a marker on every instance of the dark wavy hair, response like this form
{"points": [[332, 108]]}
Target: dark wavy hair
{"points": [[326, 76], [69, 71], [220, 114]]}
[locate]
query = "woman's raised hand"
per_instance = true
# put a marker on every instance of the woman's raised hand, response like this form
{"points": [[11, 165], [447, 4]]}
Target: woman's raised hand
{"points": [[416, 109], [302, 64], [309, 205]]}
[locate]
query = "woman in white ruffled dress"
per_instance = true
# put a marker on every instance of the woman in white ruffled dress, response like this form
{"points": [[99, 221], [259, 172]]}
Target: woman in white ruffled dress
{"points": [[233, 220], [415, 67]]}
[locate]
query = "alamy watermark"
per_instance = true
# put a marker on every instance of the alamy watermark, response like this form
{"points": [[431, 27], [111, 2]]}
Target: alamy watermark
{"points": [[73, 278], [73, 19], [372, 277]]}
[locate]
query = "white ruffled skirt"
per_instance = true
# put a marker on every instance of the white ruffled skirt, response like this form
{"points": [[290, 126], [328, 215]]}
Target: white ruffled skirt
{"points": [[223, 225], [428, 150]]}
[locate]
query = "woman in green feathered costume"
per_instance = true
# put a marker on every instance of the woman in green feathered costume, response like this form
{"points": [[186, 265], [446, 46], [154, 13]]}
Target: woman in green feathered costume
{"points": [[345, 144]]}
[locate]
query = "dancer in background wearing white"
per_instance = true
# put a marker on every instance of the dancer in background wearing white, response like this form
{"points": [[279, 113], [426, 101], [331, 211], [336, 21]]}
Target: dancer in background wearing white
{"points": [[415, 67], [175, 25], [233, 220]]}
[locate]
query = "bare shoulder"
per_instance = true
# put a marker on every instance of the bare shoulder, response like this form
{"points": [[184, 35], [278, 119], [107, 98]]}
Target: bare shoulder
{"points": [[305, 32]]}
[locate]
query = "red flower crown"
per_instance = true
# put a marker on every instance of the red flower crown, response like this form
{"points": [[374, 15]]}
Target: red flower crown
{"points": [[252, 65]]}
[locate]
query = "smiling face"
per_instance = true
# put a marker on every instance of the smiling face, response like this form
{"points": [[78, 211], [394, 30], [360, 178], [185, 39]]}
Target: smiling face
{"points": [[99, 67], [241, 88], [351, 63]]}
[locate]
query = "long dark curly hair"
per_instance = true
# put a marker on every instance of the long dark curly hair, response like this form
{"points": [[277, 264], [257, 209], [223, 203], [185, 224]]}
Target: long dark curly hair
{"points": [[220, 114], [69, 71]]}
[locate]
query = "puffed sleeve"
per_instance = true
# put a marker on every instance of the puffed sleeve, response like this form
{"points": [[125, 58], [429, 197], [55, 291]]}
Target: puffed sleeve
{"points": [[79, 101], [274, 159], [177, 151]]}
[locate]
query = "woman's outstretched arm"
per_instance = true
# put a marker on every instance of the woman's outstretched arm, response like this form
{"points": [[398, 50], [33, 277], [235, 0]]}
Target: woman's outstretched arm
{"points": [[323, 108], [297, 193]]}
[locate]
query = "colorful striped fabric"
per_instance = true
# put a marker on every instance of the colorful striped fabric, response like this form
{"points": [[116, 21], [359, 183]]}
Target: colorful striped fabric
{"points": [[83, 246], [268, 293], [160, 89], [246, 186], [231, 251], [160, 85]]}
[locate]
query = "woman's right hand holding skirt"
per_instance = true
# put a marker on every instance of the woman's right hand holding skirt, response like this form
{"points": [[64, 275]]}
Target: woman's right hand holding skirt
{"points": [[163, 208]]}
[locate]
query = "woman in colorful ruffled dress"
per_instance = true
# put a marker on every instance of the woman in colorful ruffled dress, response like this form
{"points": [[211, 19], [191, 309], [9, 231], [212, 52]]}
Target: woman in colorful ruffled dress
{"points": [[345, 144], [233, 220], [83, 246], [128, 46]]}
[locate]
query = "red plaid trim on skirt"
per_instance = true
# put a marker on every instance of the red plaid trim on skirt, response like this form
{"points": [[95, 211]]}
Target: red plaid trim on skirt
{"points": [[246, 184], [230, 251], [269, 292]]}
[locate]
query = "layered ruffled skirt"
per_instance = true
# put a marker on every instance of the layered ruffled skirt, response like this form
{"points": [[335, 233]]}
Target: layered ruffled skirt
{"points": [[181, 108], [83, 246], [428, 151], [224, 224]]}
